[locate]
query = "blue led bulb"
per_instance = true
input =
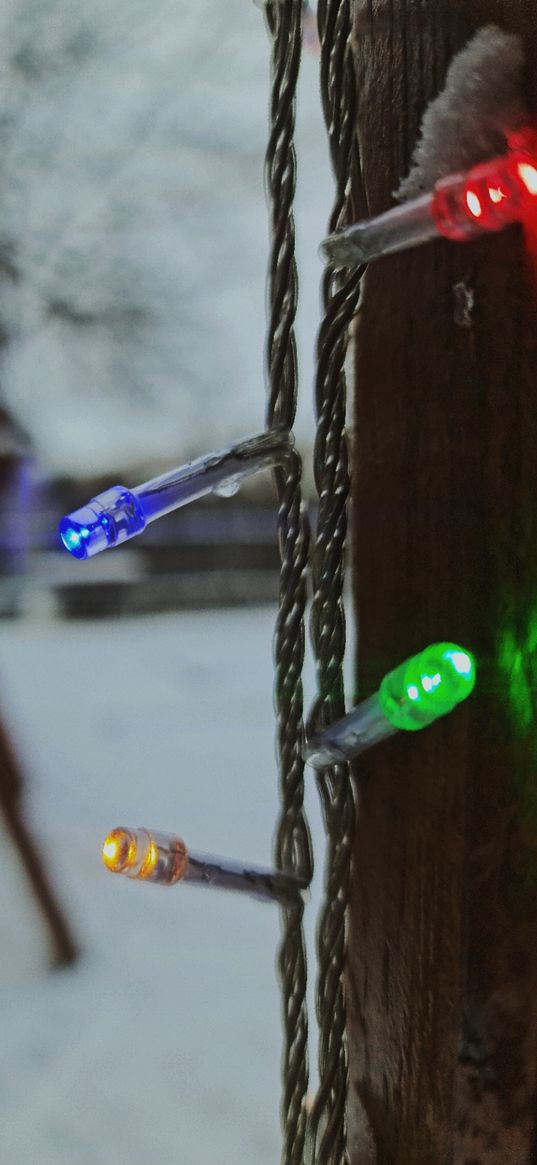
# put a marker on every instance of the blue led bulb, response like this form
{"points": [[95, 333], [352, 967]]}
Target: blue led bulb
{"points": [[107, 520], [119, 513]]}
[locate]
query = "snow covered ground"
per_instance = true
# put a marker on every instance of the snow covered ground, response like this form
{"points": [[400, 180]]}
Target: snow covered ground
{"points": [[163, 1044]]}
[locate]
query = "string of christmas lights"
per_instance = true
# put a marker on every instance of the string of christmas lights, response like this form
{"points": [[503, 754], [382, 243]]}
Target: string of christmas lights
{"points": [[487, 198], [119, 513], [148, 856], [412, 696]]}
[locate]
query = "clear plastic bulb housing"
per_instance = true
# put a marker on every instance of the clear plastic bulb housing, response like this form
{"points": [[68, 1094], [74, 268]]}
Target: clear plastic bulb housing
{"points": [[148, 856], [487, 198], [412, 696], [118, 513]]}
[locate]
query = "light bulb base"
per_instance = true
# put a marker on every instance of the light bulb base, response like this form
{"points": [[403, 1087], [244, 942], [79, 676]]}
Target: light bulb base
{"points": [[359, 730], [400, 227]]}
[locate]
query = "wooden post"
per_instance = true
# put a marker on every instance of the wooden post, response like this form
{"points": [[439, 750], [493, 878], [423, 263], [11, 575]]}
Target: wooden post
{"points": [[442, 980]]}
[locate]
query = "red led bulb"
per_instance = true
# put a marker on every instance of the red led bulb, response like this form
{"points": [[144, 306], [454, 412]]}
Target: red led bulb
{"points": [[489, 197]]}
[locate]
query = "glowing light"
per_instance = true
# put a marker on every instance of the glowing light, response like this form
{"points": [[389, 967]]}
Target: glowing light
{"points": [[495, 194], [74, 538], [442, 676], [137, 853], [517, 659], [149, 862], [490, 197], [462, 662], [117, 852], [474, 204], [110, 849], [528, 175], [517, 662]]}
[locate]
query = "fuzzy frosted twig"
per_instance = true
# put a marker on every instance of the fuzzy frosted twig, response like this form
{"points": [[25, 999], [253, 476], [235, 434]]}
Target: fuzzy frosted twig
{"points": [[478, 107]]}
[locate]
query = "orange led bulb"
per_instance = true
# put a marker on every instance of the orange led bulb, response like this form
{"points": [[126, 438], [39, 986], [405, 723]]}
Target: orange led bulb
{"points": [[163, 857], [150, 857]]}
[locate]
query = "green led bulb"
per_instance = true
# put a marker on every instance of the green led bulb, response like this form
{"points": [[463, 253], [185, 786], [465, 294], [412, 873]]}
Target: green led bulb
{"points": [[413, 695], [427, 686]]}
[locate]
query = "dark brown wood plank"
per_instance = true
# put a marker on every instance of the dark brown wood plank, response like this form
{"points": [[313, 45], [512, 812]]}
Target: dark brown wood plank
{"points": [[443, 950]]}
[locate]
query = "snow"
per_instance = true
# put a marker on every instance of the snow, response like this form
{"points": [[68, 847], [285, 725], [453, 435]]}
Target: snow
{"points": [[134, 218], [133, 255], [163, 1043]]}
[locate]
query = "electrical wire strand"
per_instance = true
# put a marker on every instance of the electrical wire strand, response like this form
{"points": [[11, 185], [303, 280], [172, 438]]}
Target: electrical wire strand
{"points": [[327, 1137], [292, 844]]}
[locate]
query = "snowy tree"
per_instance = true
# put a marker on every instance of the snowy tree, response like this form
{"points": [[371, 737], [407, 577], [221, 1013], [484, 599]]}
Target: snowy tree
{"points": [[134, 238]]}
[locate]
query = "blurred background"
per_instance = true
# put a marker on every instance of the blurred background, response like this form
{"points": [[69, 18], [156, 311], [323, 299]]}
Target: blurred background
{"points": [[137, 688]]}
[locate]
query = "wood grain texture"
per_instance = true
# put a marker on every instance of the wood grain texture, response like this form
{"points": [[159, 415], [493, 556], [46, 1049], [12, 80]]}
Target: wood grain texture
{"points": [[442, 980]]}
